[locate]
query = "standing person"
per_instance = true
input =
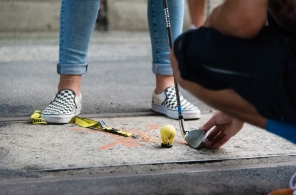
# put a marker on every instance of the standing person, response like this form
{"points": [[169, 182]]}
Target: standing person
{"points": [[77, 22], [243, 68], [197, 12]]}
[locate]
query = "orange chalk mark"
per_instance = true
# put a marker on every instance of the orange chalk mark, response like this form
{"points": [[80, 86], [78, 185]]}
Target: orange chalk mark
{"points": [[126, 141], [151, 127], [130, 142], [181, 141], [142, 133], [146, 138]]}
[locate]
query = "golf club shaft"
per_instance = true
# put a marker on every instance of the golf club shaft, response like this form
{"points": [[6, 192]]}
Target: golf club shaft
{"points": [[168, 26]]}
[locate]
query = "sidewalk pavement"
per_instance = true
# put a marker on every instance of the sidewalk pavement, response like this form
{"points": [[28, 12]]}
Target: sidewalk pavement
{"points": [[117, 89]]}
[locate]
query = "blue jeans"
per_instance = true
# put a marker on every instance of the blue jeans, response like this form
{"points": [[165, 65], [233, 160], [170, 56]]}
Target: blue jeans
{"points": [[77, 21], [158, 32]]}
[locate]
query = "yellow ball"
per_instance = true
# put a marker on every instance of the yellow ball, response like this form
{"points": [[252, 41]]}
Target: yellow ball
{"points": [[167, 134]]}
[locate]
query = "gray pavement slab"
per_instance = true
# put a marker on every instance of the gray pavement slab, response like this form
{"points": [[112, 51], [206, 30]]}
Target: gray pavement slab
{"points": [[41, 147]]}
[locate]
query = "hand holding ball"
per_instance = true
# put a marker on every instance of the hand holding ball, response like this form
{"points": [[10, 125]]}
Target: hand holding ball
{"points": [[167, 134]]}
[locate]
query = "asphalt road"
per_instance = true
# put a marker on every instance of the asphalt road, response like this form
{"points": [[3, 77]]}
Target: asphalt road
{"points": [[119, 77], [251, 180]]}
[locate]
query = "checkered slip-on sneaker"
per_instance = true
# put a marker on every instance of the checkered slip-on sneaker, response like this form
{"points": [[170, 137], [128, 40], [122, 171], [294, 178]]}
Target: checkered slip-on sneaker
{"points": [[166, 103], [287, 191], [63, 107]]}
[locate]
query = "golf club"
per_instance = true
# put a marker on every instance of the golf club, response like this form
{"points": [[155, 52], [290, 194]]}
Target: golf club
{"points": [[193, 137]]}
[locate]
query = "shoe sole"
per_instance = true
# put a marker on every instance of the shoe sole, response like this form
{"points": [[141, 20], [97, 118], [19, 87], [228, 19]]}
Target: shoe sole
{"points": [[60, 119], [174, 114]]}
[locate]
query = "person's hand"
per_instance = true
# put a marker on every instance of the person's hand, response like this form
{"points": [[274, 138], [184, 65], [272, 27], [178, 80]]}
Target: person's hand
{"points": [[224, 127]]}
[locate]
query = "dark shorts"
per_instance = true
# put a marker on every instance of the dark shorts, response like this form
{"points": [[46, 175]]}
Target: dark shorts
{"points": [[261, 70]]}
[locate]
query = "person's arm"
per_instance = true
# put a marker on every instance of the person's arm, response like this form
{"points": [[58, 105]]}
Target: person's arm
{"points": [[197, 12], [239, 18]]}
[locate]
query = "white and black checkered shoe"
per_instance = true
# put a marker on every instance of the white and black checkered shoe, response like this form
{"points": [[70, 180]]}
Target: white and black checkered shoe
{"points": [[63, 107], [166, 103]]}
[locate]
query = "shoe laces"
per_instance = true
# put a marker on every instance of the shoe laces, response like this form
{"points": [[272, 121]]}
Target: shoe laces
{"points": [[292, 184]]}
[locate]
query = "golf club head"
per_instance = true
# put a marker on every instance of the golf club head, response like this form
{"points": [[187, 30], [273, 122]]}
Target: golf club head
{"points": [[194, 138]]}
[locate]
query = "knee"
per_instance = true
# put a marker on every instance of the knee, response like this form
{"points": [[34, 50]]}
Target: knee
{"points": [[187, 85], [175, 68], [197, 90], [183, 83]]}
